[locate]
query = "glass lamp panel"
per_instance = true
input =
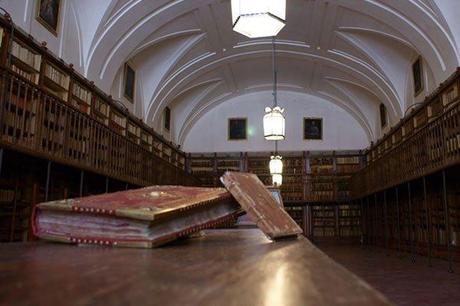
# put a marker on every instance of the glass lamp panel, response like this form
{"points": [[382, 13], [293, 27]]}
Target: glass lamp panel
{"points": [[276, 165], [274, 125], [277, 179], [258, 18]]}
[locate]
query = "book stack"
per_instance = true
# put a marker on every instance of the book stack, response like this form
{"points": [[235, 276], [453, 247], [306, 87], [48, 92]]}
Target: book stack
{"points": [[156, 215]]}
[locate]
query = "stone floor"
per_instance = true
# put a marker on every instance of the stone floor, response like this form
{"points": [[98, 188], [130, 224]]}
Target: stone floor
{"points": [[403, 280]]}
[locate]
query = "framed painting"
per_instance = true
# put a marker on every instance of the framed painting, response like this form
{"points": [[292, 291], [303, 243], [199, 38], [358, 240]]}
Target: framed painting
{"points": [[48, 14], [167, 118], [417, 74], [237, 129], [312, 128], [383, 115], [130, 82]]}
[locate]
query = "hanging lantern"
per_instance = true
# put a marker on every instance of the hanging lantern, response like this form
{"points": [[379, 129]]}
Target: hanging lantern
{"points": [[258, 18], [274, 123], [276, 165], [277, 180]]}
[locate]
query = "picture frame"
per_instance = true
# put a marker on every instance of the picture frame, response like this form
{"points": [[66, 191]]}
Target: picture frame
{"points": [[417, 76], [237, 129], [129, 82], [313, 128], [48, 14], [383, 115], [167, 119]]}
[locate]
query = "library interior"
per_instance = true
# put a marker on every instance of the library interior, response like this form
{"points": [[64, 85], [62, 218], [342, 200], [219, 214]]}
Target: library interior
{"points": [[347, 111]]}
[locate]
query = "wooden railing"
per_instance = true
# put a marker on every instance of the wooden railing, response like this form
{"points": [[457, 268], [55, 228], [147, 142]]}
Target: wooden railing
{"points": [[434, 147], [39, 124]]}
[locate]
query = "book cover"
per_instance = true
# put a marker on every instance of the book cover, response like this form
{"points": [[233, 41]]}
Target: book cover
{"points": [[260, 205], [145, 217]]}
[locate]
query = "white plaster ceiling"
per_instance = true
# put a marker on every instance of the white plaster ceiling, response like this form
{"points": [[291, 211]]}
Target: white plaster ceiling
{"points": [[353, 53]]}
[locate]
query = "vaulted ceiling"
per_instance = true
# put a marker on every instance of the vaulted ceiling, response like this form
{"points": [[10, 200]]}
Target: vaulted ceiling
{"points": [[355, 54]]}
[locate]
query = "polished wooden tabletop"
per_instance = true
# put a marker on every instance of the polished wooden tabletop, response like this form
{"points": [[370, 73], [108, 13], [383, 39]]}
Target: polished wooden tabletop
{"points": [[222, 267]]}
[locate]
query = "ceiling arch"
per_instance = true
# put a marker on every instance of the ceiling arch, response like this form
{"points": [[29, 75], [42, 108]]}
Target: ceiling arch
{"points": [[355, 54]]}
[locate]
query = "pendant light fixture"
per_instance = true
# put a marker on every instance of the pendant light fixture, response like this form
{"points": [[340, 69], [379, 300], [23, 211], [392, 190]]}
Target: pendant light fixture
{"points": [[274, 128], [274, 122], [258, 18], [277, 180]]}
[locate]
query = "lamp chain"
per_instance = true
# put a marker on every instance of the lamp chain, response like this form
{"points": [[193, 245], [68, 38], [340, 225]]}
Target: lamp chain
{"points": [[275, 81], [275, 74]]}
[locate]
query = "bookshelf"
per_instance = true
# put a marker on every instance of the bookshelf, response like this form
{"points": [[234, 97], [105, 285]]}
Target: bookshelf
{"points": [[146, 140], [133, 132], [55, 81], [307, 176], [51, 111], [203, 166], [20, 113], [101, 110], [15, 210], [258, 164], [324, 223], [81, 98], [25, 61], [118, 122]]}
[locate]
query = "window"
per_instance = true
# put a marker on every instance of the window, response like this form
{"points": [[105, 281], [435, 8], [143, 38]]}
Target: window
{"points": [[167, 118], [130, 79], [237, 129], [383, 115], [417, 74], [312, 128]]}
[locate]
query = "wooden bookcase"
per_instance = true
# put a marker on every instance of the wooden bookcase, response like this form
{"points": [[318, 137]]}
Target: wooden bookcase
{"points": [[55, 81], [81, 98], [118, 122], [15, 211], [25, 61], [51, 111], [101, 110], [133, 132], [203, 167], [146, 140]]}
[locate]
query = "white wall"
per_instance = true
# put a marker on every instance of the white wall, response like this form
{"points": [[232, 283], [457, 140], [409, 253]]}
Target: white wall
{"points": [[340, 130]]}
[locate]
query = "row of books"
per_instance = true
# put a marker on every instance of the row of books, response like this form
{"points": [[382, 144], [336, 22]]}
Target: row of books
{"points": [[26, 56], [347, 168], [347, 160], [350, 232], [323, 232], [57, 76], [30, 76], [6, 195], [321, 160], [134, 129], [101, 107], [147, 138], [118, 119], [81, 93]]}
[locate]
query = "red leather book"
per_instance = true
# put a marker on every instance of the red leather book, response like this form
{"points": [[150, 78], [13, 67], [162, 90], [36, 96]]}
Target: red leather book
{"points": [[146, 217], [260, 205]]}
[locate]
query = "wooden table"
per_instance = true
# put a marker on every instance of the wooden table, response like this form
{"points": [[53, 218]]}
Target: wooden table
{"points": [[223, 267]]}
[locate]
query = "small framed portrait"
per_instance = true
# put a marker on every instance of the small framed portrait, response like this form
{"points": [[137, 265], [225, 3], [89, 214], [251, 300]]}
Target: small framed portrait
{"points": [[417, 74], [237, 129], [130, 82], [312, 128], [48, 14], [383, 115]]}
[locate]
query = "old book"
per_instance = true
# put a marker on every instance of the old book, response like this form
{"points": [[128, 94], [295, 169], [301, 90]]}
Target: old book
{"points": [[146, 217], [260, 205]]}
